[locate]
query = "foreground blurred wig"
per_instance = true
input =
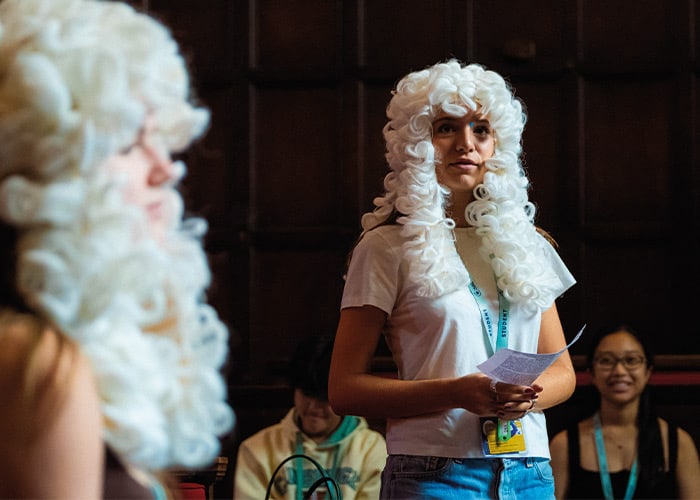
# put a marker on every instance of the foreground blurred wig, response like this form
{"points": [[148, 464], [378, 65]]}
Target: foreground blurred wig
{"points": [[502, 213], [77, 80]]}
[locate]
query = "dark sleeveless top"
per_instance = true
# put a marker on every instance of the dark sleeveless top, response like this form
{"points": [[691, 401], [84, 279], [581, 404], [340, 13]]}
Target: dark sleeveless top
{"points": [[586, 484]]}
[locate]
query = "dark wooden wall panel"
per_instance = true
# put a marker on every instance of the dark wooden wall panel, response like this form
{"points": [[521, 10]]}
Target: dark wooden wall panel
{"points": [[211, 33], [694, 20], [637, 36], [298, 35], [374, 167], [293, 176], [220, 189], [548, 156], [643, 272], [694, 157], [294, 293], [523, 37], [396, 39], [627, 161]]}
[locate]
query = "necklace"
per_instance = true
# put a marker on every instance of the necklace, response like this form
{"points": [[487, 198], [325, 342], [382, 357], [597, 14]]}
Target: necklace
{"points": [[603, 465]]}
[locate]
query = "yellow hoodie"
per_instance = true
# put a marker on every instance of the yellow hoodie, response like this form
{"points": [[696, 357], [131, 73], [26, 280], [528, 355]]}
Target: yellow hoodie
{"points": [[353, 456]]}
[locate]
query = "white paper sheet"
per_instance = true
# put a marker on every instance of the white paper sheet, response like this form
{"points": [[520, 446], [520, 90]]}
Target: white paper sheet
{"points": [[520, 368]]}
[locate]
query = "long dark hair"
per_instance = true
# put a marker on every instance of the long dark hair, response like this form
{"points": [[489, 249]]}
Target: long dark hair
{"points": [[650, 451]]}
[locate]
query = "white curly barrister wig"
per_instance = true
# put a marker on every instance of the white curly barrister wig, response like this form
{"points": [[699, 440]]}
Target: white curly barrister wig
{"points": [[502, 214], [77, 79]]}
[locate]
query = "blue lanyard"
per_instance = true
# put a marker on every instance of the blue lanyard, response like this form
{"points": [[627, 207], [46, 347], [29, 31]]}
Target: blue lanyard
{"points": [[334, 493], [494, 342], [299, 468], [499, 341], [603, 465]]}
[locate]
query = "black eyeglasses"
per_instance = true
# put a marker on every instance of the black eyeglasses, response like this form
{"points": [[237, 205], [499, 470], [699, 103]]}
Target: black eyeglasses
{"points": [[630, 361]]}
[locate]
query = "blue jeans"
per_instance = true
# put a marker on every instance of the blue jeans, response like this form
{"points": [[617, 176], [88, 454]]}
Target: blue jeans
{"points": [[417, 477]]}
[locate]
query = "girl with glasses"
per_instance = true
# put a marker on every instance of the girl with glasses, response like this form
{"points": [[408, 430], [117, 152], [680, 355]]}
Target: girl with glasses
{"points": [[624, 450]]}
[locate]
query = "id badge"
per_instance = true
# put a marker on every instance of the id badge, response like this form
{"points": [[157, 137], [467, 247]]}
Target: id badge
{"points": [[492, 445]]}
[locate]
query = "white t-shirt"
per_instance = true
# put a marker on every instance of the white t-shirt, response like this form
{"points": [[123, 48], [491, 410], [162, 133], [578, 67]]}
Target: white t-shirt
{"points": [[441, 338]]}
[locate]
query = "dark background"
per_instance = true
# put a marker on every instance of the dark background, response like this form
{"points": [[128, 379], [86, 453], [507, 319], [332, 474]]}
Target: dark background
{"points": [[294, 156]]}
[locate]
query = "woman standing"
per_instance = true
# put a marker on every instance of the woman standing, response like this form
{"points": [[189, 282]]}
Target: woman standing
{"points": [[624, 450], [450, 268]]}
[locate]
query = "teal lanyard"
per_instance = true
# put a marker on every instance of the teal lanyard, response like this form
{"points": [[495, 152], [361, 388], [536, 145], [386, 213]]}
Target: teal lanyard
{"points": [[158, 492], [299, 469], [499, 341], [494, 342], [603, 465]]}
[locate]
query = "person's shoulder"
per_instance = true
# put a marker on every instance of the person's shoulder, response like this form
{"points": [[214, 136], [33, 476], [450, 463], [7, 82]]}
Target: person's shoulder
{"points": [[685, 435], [585, 426], [366, 430], [548, 246], [367, 442], [284, 429], [262, 435], [41, 370], [546, 236], [27, 337], [28, 343], [685, 440], [376, 436], [383, 235], [582, 426], [381, 244], [371, 445], [19, 332]]}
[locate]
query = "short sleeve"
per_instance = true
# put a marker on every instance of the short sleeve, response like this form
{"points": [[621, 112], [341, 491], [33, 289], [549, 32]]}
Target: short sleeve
{"points": [[373, 274], [564, 279]]}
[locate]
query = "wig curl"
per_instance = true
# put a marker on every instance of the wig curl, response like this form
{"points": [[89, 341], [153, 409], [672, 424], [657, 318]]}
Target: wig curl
{"points": [[501, 212], [77, 80]]}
